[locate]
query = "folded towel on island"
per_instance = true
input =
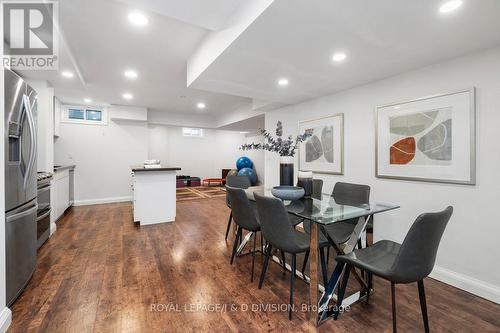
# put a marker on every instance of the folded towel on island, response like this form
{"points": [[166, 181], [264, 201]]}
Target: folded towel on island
{"points": [[151, 162]]}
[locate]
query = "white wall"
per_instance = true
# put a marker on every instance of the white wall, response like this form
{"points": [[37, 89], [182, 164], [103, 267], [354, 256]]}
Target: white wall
{"points": [[132, 113], [257, 156], [181, 119], [103, 156], [200, 157], [469, 252]]}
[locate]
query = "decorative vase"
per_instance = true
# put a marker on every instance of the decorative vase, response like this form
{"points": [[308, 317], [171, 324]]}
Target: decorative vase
{"points": [[286, 171]]}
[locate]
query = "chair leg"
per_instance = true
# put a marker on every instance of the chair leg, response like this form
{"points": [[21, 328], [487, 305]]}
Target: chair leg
{"points": [[393, 294], [370, 286], [235, 245], [341, 294], [323, 266], [327, 255], [229, 224], [264, 266], [306, 256], [283, 261], [253, 254], [261, 242], [360, 246], [292, 281], [423, 304]]}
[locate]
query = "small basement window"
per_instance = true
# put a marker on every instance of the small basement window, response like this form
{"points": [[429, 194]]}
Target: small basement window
{"points": [[193, 132], [94, 115], [76, 114], [84, 115]]}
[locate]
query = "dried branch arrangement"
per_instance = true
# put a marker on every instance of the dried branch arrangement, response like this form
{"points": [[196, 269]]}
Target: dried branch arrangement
{"points": [[283, 146]]}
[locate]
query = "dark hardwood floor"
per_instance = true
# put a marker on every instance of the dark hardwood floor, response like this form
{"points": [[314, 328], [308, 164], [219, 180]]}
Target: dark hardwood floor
{"points": [[101, 272]]}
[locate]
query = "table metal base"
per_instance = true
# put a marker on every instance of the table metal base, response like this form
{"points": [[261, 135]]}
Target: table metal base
{"points": [[320, 306]]}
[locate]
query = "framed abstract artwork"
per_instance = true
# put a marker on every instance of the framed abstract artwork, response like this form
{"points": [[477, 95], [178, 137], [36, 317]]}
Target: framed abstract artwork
{"points": [[428, 139], [323, 152]]}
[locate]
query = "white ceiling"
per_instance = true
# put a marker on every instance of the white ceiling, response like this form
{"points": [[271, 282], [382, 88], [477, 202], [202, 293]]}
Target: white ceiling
{"points": [[296, 39], [291, 38], [252, 124], [212, 14], [104, 44]]}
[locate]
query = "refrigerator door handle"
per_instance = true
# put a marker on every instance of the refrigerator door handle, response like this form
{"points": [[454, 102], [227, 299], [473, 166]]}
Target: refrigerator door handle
{"points": [[31, 124], [21, 214]]}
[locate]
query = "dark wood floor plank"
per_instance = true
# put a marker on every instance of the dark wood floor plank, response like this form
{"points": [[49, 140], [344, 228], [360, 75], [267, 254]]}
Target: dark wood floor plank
{"points": [[100, 272]]}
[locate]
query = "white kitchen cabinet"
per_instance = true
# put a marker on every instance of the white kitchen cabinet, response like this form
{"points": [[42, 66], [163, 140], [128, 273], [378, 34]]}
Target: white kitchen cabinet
{"points": [[57, 117], [61, 193]]}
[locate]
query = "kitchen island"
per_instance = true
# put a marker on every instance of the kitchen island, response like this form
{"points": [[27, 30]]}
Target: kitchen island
{"points": [[154, 194]]}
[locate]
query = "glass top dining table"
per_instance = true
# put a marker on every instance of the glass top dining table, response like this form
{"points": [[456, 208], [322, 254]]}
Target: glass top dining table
{"points": [[323, 212]]}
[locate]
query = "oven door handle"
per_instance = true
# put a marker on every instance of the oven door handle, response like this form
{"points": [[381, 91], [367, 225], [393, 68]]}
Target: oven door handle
{"points": [[43, 216], [44, 188]]}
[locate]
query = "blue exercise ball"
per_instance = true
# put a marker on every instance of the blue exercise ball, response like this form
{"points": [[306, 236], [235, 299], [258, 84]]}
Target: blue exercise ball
{"points": [[250, 173], [243, 162]]}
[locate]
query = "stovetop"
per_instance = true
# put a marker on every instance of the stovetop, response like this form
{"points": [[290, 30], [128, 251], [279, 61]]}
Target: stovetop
{"points": [[44, 176]]}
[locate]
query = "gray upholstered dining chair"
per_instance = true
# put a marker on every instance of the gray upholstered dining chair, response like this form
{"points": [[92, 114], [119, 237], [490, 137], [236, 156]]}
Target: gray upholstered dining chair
{"points": [[237, 182], [279, 234], [411, 261], [317, 189], [244, 215], [316, 194], [352, 195]]}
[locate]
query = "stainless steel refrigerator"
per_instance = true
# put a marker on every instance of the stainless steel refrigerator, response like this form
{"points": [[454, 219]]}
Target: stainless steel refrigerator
{"points": [[20, 183]]}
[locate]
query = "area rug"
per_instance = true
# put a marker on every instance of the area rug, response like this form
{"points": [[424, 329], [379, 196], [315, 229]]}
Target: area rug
{"points": [[201, 192]]}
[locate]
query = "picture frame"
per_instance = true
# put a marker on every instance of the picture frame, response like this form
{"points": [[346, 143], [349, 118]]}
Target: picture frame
{"points": [[323, 152], [429, 139]]}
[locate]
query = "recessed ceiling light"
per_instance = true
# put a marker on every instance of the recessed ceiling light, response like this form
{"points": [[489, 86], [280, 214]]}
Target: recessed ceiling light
{"points": [[338, 57], [127, 96], [200, 105], [138, 19], [450, 6], [283, 82], [87, 100], [130, 74], [67, 74]]}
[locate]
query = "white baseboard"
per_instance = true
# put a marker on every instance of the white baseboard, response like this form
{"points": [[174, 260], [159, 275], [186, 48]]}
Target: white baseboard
{"points": [[101, 201], [5, 319], [467, 283]]}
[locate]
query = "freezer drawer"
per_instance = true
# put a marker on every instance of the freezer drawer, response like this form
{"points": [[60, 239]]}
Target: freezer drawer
{"points": [[21, 246]]}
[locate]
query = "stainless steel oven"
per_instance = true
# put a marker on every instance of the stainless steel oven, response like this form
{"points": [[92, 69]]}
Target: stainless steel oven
{"points": [[44, 209]]}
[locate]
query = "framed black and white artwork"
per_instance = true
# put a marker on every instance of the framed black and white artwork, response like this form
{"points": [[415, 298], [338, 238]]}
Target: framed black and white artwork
{"points": [[428, 139], [323, 152]]}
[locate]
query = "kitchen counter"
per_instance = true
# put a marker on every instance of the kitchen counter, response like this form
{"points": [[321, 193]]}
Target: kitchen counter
{"points": [[142, 168], [154, 191], [63, 167]]}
